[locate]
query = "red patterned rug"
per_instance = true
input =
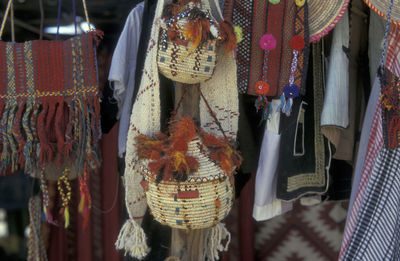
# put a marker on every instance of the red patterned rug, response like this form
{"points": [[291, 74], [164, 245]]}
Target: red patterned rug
{"points": [[303, 234]]}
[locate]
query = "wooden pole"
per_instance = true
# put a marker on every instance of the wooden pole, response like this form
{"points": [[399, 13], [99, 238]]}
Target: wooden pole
{"points": [[188, 245]]}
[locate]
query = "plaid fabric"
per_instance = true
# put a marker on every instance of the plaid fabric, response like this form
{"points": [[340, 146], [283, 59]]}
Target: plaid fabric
{"points": [[376, 234], [374, 145], [393, 52]]}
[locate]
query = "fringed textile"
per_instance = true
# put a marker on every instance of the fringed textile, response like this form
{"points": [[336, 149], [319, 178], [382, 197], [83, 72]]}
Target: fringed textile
{"points": [[36, 247], [49, 104]]}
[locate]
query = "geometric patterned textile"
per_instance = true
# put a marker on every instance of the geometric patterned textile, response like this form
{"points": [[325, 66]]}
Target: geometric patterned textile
{"points": [[306, 233], [303, 234]]}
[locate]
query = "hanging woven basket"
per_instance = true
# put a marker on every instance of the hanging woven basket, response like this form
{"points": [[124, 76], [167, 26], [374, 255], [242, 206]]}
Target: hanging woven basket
{"points": [[187, 49], [201, 201]]}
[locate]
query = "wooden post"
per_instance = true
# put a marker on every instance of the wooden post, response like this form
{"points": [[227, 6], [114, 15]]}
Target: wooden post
{"points": [[188, 245]]}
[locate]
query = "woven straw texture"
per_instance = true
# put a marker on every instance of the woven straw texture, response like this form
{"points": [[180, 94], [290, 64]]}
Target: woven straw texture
{"points": [[179, 64], [381, 7], [323, 15], [214, 201]]}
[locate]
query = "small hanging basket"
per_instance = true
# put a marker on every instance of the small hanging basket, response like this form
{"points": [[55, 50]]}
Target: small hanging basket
{"points": [[187, 49]]}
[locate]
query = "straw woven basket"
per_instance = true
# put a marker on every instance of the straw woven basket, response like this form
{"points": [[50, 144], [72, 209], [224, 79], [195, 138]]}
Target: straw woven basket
{"points": [[178, 62], [201, 201]]}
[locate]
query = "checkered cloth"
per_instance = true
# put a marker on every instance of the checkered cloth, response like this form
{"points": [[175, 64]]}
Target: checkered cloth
{"points": [[377, 232], [374, 201]]}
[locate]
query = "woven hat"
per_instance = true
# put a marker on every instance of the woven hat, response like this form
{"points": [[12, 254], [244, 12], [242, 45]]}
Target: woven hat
{"points": [[381, 7], [323, 15]]}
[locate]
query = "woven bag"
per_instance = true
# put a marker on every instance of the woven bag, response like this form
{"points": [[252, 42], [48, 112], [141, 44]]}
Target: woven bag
{"points": [[50, 110], [180, 59], [188, 174], [201, 201]]}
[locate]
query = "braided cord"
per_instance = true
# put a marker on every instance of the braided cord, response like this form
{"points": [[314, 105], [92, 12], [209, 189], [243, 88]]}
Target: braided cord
{"points": [[385, 39]]}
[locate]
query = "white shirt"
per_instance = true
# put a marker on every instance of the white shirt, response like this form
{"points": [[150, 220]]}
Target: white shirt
{"points": [[122, 71]]}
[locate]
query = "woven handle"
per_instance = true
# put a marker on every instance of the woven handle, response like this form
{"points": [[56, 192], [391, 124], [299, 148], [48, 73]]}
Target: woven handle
{"points": [[9, 7]]}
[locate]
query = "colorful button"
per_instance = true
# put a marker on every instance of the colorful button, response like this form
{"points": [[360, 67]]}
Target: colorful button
{"points": [[261, 88], [291, 91]]}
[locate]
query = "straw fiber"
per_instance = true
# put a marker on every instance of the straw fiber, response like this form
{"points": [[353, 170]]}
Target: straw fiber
{"points": [[381, 7], [211, 194], [323, 15]]}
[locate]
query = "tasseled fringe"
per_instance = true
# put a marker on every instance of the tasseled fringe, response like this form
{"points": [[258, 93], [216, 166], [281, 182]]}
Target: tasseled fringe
{"points": [[36, 247], [214, 239], [65, 193], [35, 132], [17, 132], [45, 200], [132, 239], [5, 155], [30, 161], [13, 146], [85, 204]]}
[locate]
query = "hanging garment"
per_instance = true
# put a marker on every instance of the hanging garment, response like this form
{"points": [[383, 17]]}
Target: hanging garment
{"points": [[335, 112], [375, 182], [304, 155], [376, 233], [266, 205], [358, 48], [122, 71]]}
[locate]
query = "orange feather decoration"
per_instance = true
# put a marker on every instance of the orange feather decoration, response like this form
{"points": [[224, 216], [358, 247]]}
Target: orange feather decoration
{"points": [[227, 34]]}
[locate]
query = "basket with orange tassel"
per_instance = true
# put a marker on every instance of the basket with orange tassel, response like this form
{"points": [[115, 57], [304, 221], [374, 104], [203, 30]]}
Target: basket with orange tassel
{"points": [[189, 41], [188, 175]]}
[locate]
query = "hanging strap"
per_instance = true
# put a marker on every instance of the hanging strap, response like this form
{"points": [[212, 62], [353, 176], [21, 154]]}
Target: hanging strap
{"points": [[385, 38], [3, 23], [212, 113], [74, 14]]}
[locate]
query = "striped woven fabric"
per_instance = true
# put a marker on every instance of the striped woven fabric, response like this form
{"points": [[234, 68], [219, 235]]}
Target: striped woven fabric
{"points": [[375, 142], [283, 20], [49, 103], [376, 235]]}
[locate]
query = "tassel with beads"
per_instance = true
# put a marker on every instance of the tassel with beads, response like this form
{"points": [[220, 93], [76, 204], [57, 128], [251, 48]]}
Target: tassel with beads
{"points": [[65, 195]]}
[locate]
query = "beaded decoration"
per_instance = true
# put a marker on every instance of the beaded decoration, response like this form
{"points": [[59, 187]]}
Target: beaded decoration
{"points": [[267, 43], [291, 90], [85, 203], [45, 199], [65, 195]]}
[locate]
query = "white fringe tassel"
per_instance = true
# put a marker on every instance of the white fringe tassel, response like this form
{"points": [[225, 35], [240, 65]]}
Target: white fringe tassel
{"points": [[214, 239], [132, 239]]}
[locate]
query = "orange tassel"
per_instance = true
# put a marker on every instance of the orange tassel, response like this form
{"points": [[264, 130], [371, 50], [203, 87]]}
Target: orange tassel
{"points": [[228, 36], [184, 128]]}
